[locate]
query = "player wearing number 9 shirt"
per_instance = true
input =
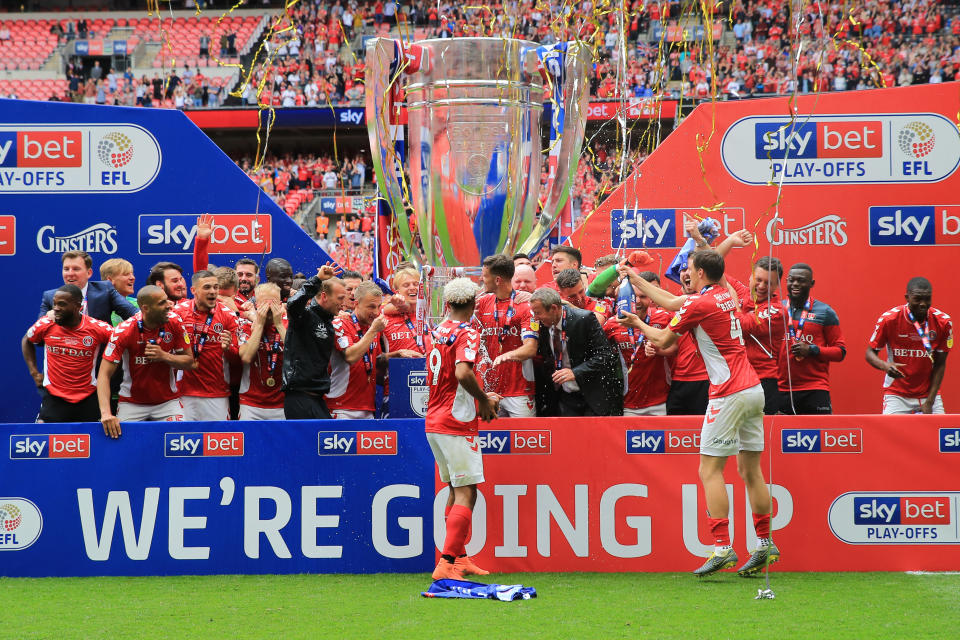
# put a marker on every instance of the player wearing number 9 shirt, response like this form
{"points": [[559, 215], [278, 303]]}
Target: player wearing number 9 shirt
{"points": [[733, 424], [456, 398]]}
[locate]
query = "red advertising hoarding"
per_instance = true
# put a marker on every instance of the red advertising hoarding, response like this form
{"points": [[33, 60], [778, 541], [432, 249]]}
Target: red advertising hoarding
{"points": [[860, 185], [851, 493]]}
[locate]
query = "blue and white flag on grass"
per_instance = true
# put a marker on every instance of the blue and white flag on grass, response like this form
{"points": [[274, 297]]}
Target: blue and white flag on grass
{"points": [[478, 590]]}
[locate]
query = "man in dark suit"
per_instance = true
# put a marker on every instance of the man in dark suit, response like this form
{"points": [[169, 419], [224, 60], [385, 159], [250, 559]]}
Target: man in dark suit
{"points": [[99, 298], [577, 372]]}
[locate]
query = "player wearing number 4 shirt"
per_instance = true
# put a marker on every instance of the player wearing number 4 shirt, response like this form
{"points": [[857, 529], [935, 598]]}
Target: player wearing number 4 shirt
{"points": [[353, 367], [813, 340], [71, 342], [152, 346], [918, 339], [261, 352], [733, 424], [510, 335], [213, 330], [456, 398]]}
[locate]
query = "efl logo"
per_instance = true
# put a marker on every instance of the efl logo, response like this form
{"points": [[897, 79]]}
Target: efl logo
{"points": [[922, 510], [20, 523], [821, 441], [198, 445], [799, 140], [915, 226], [357, 443], [236, 233], [54, 445], [533, 441], [663, 441], [949, 440], [8, 235], [30, 149]]}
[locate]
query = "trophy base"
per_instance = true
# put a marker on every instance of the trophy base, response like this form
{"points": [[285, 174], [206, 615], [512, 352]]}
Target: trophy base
{"points": [[437, 279]]}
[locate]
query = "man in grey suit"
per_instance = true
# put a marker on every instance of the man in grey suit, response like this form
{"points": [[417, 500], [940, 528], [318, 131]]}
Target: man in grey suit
{"points": [[99, 297]]}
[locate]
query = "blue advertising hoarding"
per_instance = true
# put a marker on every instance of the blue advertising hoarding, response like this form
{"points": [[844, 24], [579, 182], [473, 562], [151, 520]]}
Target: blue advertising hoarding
{"points": [[118, 182], [217, 498]]}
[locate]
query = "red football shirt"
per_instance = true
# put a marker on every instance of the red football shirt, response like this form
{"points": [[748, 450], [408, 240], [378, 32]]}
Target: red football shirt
{"points": [[821, 327], [712, 319], [400, 334], [146, 382], [212, 378], [647, 378], [896, 331], [764, 326], [505, 325], [451, 410], [255, 390], [688, 363], [70, 355], [353, 387]]}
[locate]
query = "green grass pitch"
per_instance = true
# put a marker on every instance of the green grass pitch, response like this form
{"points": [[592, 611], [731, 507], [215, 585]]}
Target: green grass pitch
{"points": [[570, 605]]}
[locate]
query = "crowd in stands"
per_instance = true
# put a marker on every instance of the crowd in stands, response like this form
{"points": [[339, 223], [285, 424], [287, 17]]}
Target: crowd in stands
{"points": [[313, 52]]}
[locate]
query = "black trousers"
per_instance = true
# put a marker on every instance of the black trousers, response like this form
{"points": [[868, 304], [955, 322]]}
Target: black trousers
{"points": [[772, 398], [812, 402], [573, 404], [300, 405], [688, 397], [56, 409]]}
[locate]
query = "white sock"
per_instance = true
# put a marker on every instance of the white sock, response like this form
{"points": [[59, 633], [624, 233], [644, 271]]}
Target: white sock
{"points": [[721, 548], [763, 542]]}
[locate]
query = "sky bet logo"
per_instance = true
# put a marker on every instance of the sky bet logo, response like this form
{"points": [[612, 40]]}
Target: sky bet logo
{"points": [[949, 440], [26, 149], [198, 445], [663, 441], [799, 140], [357, 443], [881, 510], [643, 228], [54, 445], [915, 226], [821, 441], [520, 441]]}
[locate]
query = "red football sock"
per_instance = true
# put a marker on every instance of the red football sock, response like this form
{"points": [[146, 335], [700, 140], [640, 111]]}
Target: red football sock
{"points": [[761, 525], [720, 530], [458, 524]]}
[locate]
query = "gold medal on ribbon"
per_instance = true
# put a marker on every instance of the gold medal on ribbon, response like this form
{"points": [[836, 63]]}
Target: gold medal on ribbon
{"points": [[271, 382]]}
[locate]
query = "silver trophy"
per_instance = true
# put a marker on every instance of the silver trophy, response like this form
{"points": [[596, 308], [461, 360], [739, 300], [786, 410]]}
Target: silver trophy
{"points": [[473, 145]]}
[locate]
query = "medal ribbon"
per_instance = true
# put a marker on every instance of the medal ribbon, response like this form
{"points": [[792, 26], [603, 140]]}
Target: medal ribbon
{"points": [[160, 332], [795, 333], [413, 331], [923, 333], [449, 340], [367, 361], [558, 356], [273, 350], [496, 315], [199, 339]]}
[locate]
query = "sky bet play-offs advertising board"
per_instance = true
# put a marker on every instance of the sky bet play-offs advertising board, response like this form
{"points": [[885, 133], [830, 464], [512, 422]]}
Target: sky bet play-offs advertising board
{"points": [[117, 182], [864, 186], [851, 493]]}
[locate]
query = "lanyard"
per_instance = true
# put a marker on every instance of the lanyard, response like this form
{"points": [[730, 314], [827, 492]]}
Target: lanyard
{"points": [[367, 360], [558, 356], [273, 349], [796, 333], [922, 332], [509, 315], [449, 340], [200, 339], [413, 332], [160, 333], [640, 340]]}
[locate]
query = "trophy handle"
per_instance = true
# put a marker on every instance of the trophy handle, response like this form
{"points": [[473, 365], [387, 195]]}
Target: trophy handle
{"points": [[385, 64], [573, 89]]}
